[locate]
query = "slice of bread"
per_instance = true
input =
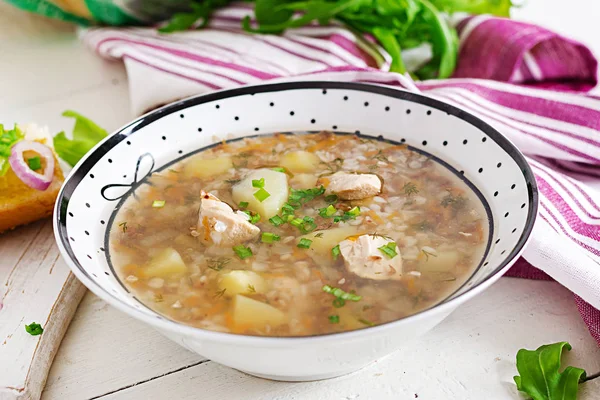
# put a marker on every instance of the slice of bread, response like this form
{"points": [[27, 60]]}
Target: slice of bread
{"points": [[20, 204]]}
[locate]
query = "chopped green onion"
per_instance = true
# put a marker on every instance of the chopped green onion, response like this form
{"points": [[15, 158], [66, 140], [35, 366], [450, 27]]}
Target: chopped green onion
{"points": [[276, 220], [364, 321], [354, 211], [254, 218], [287, 209], [299, 197], [258, 183], [297, 222], [389, 250], [242, 251], [339, 293], [304, 243], [243, 204], [158, 203], [327, 211], [335, 252], [278, 169], [268, 237], [308, 225], [338, 302], [34, 163], [34, 329], [332, 198], [261, 195], [334, 319]]}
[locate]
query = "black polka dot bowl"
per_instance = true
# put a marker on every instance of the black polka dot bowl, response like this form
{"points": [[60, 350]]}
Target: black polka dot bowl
{"points": [[467, 146]]}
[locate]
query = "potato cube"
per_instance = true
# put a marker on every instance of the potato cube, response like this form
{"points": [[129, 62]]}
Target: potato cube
{"points": [[167, 263], [275, 183], [205, 168], [250, 313], [322, 244], [303, 181], [242, 282], [300, 161], [442, 261]]}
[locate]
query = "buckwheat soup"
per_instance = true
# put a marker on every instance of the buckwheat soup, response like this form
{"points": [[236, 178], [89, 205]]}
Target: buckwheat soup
{"points": [[298, 234]]}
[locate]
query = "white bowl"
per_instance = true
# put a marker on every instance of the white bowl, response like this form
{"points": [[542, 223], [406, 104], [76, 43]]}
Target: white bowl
{"points": [[470, 148]]}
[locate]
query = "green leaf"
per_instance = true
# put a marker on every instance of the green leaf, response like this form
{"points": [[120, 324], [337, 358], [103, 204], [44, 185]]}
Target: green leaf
{"points": [[34, 329], [500, 8], [540, 377], [7, 139], [443, 39], [391, 45], [267, 12], [86, 134]]}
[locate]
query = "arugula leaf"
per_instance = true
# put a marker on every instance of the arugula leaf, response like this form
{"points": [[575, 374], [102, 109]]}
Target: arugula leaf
{"points": [[500, 8], [395, 24], [86, 134], [539, 376], [266, 12]]}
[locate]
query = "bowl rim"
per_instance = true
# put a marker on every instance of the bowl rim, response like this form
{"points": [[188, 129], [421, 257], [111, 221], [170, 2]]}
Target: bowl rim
{"points": [[93, 156]]}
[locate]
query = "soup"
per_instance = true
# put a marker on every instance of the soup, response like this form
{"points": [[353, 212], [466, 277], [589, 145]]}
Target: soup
{"points": [[298, 234]]}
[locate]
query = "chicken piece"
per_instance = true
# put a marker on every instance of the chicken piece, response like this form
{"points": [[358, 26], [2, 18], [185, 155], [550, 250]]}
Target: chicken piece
{"points": [[218, 223], [353, 186], [362, 257]]}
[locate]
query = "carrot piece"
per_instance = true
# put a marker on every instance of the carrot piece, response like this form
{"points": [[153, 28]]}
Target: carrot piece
{"points": [[206, 228]]}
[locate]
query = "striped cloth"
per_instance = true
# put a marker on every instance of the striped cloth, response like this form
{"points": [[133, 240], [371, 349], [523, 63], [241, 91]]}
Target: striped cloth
{"points": [[526, 81]]}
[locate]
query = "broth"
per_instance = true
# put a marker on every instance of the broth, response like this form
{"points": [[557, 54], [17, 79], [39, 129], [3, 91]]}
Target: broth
{"points": [[298, 234]]}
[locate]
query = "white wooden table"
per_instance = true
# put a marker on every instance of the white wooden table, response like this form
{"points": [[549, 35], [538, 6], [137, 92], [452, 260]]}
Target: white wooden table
{"points": [[105, 354]]}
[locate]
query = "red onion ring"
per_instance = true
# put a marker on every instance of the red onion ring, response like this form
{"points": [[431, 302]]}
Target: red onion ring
{"points": [[22, 170]]}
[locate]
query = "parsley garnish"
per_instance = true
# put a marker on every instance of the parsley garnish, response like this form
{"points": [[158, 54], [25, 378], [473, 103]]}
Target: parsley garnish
{"points": [[123, 226], [334, 319], [251, 289], [410, 188], [34, 329], [243, 204], [219, 293], [319, 235], [217, 264], [381, 157], [427, 254], [456, 202]]}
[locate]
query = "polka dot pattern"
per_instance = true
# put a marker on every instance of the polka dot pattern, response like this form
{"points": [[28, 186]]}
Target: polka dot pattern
{"points": [[477, 156]]}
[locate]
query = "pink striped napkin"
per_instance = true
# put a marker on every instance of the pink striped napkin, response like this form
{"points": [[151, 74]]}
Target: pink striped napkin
{"points": [[524, 80]]}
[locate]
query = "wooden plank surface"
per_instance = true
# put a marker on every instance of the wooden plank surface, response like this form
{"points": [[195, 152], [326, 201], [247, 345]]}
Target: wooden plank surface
{"points": [[471, 355], [37, 286], [106, 354]]}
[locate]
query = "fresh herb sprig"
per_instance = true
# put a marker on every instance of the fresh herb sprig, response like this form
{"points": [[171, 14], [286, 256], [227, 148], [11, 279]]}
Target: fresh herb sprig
{"points": [[539, 374], [397, 26]]}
